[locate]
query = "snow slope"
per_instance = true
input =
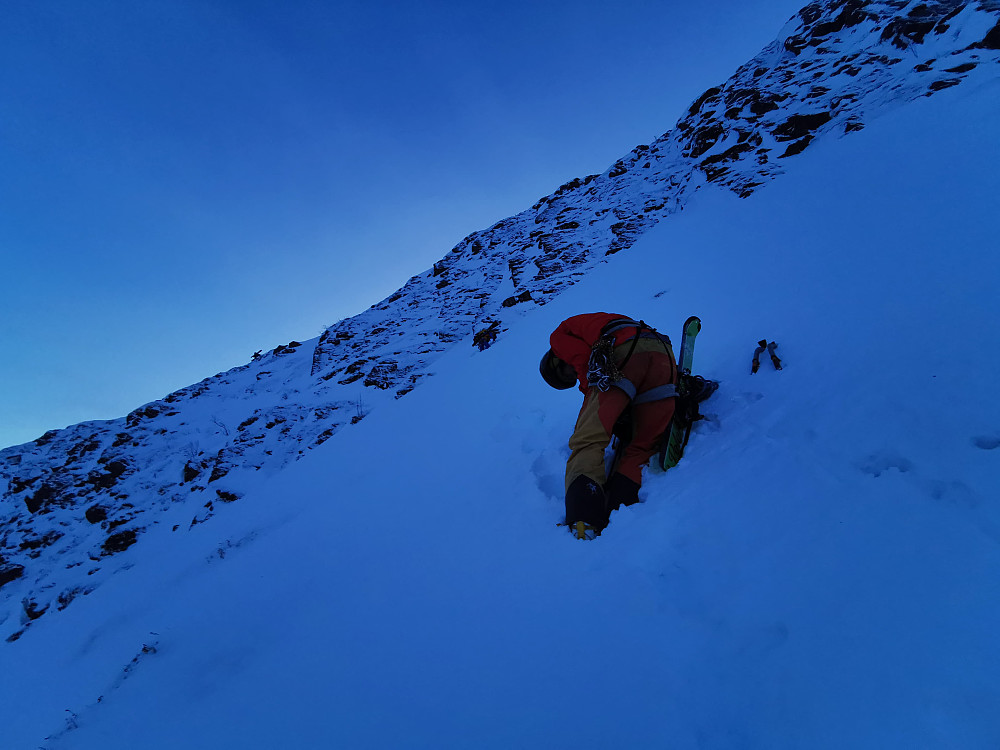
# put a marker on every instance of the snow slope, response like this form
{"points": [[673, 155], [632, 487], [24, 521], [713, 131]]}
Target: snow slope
{"points": [[75, 501], [822, 570]]}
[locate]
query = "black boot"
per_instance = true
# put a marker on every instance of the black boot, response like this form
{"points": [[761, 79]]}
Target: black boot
{"points": [[586, 505], [621, 491]]}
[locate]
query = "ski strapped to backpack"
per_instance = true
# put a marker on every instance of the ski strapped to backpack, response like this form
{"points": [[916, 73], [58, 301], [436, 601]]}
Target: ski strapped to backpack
{"points": [[603, 372], [692, 390]]}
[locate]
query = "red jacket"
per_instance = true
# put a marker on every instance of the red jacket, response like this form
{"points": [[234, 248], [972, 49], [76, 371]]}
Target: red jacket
{"points": [[575, 336]]}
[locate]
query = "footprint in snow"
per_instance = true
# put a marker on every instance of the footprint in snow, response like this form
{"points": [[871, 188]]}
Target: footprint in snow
{"points": [[879, 463], [548, 476], [953, 493], [987, 442]]}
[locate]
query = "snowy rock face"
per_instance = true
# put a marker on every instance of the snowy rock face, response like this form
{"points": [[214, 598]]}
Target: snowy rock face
{"points": [[76, 500]]}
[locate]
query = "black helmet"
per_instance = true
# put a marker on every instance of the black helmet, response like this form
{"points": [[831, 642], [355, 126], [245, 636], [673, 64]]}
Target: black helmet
{"points": [[556, 372]]}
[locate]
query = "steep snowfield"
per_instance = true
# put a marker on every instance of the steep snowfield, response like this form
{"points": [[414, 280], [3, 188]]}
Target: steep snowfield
{"points": [[75, 499], [822, 570]]}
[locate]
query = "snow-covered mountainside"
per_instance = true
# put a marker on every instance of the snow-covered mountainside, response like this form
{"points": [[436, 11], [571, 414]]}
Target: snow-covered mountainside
{"points": [[76, 499], [821, 571]]}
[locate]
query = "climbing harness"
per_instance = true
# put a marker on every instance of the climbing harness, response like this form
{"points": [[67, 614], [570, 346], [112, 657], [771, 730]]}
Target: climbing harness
{"points": [[603, 372]]}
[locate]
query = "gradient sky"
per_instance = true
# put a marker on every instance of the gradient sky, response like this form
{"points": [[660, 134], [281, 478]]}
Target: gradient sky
{"points": [[183, 183]]}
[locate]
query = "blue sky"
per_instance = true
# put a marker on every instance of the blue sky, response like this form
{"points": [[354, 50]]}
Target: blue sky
{"points": [[183, 183]]}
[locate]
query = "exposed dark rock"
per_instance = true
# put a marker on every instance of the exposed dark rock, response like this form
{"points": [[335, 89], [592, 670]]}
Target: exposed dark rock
{"points": [[246, 423], [190, 472], [121, 439], [795, 44], [221, 468], [66, 597], [20, 485], [227, 497], [903, 32], [798, 147], [947, 83], [42, 496], [38, 542], [811, 13], [712, 93], [10, 573], [96, 513], [704, 138], [115, 469], [797, 126], [618, 169], [327, 434], [761, 104], [943, 25], [964, 68], [991, 40], [853, 13], [145, 412], [47, 438], [713, 165], [517, 299], [576, 183], [355, 367], [381, 376], [32, 610], [84, 446], [119, 541]]}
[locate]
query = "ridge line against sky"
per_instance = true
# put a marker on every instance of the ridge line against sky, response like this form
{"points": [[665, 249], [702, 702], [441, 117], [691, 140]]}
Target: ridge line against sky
{"points": [[186, 183]]}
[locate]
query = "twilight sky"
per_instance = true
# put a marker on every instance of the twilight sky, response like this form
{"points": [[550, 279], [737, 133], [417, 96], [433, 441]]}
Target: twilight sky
{"points": [[183, 183]]}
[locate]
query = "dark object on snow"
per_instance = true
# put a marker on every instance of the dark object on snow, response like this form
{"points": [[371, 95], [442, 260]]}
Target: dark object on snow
{"points": [[96, 513], [10, 573], [774, 357], [762, 345], [119, 542]]}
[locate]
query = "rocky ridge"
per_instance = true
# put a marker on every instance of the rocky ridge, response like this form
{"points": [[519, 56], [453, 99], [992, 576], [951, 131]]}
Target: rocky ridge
{"points": [[76, 499]]}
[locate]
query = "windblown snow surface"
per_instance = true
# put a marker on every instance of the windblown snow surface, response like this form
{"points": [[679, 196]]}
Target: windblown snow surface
{"points": [[821, 571]]}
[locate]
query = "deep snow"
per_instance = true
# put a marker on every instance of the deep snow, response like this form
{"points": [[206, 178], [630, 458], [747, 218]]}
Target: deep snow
{"points": [[822, 570]]}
